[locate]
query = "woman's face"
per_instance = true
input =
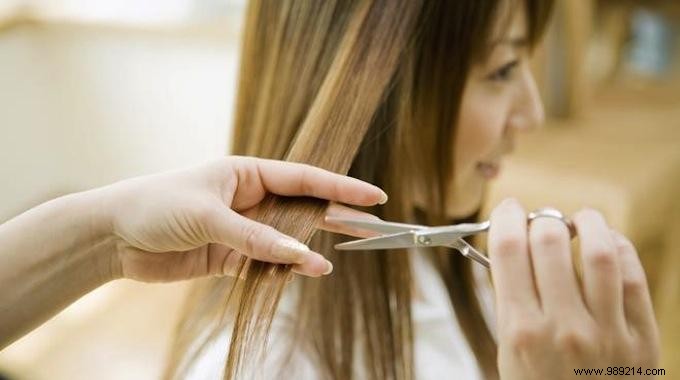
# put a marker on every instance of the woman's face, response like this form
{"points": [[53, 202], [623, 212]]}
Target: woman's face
{"points": [[500, 98]]}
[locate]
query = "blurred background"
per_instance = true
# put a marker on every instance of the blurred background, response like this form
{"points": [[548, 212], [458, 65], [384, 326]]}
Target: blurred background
{"points": [[93, 91]]}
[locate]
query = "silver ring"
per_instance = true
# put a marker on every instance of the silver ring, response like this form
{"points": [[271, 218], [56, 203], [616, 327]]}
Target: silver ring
{"points": [[549, 212]]}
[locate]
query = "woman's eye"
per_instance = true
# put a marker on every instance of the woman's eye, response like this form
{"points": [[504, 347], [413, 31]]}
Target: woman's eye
{"points": [[505, 72]]}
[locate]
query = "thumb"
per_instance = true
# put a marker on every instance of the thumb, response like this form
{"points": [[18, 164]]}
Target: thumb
{"points": [[264, 243]]}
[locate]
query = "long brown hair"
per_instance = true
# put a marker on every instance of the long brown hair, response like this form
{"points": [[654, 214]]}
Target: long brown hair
{"points": [[371, 88]]}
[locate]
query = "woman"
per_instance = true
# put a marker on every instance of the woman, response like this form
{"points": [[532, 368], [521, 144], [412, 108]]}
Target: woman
{"points": [[421, 98]]}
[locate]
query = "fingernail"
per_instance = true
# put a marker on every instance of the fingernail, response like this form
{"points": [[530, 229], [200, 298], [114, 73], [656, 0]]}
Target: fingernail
{"points": [[292, 251], [330, 268], [383, 198]]}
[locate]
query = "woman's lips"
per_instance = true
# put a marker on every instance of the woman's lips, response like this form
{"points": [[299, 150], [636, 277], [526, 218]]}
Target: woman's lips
{"points": [[489, 170]]}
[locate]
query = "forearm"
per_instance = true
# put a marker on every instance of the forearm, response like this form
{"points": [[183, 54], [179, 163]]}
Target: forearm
{"points": [[49, 257]]}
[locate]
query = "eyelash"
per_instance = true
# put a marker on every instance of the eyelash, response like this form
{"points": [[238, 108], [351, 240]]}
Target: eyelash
{"points": [[503, 74]]}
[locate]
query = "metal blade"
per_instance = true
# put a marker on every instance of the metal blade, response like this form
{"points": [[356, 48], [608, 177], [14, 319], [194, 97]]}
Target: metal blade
{"points": [[376, 225], [444, 235], [391, 241]]}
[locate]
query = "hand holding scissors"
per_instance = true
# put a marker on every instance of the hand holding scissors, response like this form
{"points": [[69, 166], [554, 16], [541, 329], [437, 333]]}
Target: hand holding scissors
{"points": [[550, 322], [401, 235]]}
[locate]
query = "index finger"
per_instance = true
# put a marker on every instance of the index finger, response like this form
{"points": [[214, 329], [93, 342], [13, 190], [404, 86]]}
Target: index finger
{"points": [[510, 260], [295, 179]]}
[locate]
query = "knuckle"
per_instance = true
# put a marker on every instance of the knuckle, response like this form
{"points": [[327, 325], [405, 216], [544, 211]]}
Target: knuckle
{"points": [[524, 333], [574, 341], [268, 246], [306, 182], [523, 338], [635, 285], [509, 244], [235, 264], [251, 234], [603, 257], [336, 191], [622, 244], [264, 245], [625, 249], [225, 268], [549, 237]]}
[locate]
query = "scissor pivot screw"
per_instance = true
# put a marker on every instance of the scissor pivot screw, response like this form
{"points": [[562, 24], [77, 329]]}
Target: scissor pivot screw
{"points": [[424, 240]]}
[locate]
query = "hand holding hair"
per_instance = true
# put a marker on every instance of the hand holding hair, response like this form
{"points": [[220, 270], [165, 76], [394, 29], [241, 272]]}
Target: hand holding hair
{"points": [[164, 227], [200, 217]]}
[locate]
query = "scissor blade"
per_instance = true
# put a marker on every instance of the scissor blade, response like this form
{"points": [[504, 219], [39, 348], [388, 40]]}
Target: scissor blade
{"points": [[444, 235], [391, 241], [376, 225]]}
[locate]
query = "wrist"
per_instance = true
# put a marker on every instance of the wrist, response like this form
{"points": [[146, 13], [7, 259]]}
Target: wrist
{"points": [[98, 235], [50, 256]]}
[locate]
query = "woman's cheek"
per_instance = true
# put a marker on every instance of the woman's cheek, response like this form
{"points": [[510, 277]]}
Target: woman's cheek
{"points": [[483, 133], [480, 129]]}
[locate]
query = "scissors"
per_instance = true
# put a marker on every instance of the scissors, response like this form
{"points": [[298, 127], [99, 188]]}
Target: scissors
{"points": [[401, 235]]}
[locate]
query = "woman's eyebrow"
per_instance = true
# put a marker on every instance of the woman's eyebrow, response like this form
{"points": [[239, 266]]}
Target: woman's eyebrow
{"points": [[517, 42]]}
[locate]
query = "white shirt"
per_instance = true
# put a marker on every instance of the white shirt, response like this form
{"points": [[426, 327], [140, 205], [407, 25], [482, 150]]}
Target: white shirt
{"points": [[440, 347]]}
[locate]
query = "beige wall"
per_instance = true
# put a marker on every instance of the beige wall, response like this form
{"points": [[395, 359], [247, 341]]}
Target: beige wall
{"points": [[82, 106]]}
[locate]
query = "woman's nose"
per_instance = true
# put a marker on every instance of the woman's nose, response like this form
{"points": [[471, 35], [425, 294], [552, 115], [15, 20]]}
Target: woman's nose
{"points": [[528, 112]]}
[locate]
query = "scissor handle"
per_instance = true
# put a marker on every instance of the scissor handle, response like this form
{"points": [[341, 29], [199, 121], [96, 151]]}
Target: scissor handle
{"points": [[471, 253]]}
